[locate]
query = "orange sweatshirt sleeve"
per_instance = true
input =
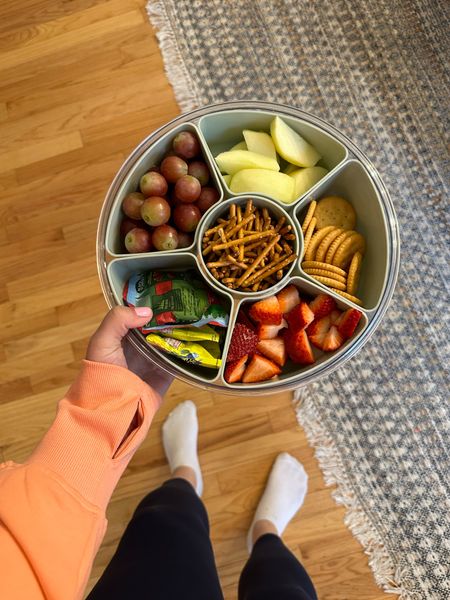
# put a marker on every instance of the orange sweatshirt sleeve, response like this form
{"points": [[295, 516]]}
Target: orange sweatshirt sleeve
{"points": [[52, 508]]}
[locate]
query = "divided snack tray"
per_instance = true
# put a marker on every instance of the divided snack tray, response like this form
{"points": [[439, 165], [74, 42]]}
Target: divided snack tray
{"points": [[350, 175]]}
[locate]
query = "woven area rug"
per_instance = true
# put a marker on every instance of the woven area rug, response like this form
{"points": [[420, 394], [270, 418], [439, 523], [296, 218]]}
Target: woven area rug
{"points": [[377, 70]]}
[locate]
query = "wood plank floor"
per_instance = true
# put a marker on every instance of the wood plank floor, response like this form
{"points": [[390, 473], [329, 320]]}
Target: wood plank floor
{"points": [[81, 83]]}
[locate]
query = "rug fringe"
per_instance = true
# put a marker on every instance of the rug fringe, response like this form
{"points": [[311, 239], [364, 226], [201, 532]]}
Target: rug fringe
{"points": [[389, 578], [174, 66]]}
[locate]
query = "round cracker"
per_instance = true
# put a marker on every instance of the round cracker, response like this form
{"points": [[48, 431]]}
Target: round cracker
{"points": [[353, 299], [315, 241], [308, 233], [354, 272], [337, 211], [314, 264], [309, 215], [326, 242], [325, 273], [345, 252], [337, 285], [335, 245]]}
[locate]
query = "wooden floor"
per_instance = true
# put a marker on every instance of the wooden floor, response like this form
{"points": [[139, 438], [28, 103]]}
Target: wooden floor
{"points": [[81, 83]]}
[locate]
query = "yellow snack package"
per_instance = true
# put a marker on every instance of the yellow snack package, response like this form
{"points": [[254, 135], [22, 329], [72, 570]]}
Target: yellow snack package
{"points": [[191, 352], [191, 334]]}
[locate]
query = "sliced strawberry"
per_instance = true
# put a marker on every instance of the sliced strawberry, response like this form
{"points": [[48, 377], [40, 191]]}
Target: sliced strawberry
{"points": [[268, 332], [267, 311], [348, 322], [298, 347], [260, 369], [300, 316], [333, 340], [335, 316], [288, 298], [244, 318], [322, 305], [317, 331], [243, 341], [235, 370], [273, 349]]}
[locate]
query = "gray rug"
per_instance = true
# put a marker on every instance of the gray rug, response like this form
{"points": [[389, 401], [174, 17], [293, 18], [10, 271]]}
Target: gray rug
{"points": [[377, 70]]}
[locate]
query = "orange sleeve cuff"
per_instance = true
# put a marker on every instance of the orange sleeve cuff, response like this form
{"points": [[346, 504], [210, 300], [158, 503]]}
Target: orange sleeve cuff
{"points": [[85, 446]]}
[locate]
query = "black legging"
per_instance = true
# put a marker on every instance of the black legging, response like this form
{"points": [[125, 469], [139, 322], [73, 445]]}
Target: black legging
{"points": [[166, 554]]}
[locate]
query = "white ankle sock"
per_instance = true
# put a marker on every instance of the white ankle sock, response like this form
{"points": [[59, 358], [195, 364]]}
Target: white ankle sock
{"points": [[180, 431], [283, 496]]}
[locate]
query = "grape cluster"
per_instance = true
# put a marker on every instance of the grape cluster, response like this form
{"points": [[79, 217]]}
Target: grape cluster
{"points": [[173, 195]]}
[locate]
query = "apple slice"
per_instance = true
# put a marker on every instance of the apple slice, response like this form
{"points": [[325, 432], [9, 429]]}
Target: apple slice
{"points": [[305, 178], [239, 146], [227, 179], [260, 142], [235, 160], [291, 146], [262, 181]]}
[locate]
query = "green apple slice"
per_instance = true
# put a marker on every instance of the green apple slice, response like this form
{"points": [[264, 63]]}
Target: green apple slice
{"points": [[235, 160], [305, 178], [227, 179], [262, 181], [239, 146], [260, 142], [291, 146]]}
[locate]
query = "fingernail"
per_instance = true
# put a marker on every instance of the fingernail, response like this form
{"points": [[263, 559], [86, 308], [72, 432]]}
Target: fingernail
{"points": [[143, 311]]}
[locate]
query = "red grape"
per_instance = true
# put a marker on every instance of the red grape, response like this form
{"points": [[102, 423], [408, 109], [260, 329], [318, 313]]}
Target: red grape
{"points": [[184, 239], [155, 211], [173, 167], [186, 217], [165, 237], [138, 240], [131, 205], [186, 144], [153, 184], [199, 170], [208, 197], [129, 224], [187, 189]]}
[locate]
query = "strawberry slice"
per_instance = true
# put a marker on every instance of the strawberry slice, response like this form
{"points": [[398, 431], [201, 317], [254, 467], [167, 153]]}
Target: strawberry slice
{"points": [[243, 341], [298, 347], [322, 305], [288, 298], [333, 340], [267, 311], [318, 330], [244, 318], [348, 322], [335, 316], [273, 349], [260, 369], [268, 332], [235, 370], [300, 316]]}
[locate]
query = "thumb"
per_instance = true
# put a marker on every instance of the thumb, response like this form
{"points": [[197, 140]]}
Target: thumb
{"points": [[114, 328]]}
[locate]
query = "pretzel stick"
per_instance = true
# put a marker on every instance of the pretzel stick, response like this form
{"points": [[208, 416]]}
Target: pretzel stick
{"points": [[219, 263], [252, 267], [280, 224], [233, 260], [245, 240], [275, 268], [239, 226], [263, 271]]}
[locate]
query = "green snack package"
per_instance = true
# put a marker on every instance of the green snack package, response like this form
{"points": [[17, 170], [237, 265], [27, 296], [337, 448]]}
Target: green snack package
{"points": [[177, 299]]}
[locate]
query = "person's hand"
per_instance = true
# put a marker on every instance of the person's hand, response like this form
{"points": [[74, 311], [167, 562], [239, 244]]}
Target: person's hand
{"points": [[110, 345]]}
